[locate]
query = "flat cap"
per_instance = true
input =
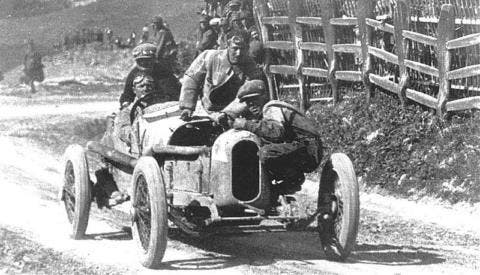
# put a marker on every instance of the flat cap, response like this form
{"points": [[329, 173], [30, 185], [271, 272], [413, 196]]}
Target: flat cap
{"points": [[143, 78], [145, 50], [251, 88]]}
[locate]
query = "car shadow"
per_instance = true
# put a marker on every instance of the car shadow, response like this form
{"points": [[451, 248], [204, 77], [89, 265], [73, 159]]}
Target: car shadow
{"points": [[261, 249], [396, 255]]}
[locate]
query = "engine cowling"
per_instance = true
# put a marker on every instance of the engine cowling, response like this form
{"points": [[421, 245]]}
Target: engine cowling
{"points": [[237, 176]]}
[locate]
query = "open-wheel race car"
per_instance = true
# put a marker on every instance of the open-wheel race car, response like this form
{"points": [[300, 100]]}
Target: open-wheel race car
{"points": [[205, 180]]}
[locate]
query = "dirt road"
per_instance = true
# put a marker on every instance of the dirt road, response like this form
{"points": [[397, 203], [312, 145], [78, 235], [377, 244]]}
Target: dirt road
{"points": [[396, 236]]}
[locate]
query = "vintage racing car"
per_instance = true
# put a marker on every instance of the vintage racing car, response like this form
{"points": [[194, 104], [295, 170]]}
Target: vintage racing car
{"points": [[205, 180]]}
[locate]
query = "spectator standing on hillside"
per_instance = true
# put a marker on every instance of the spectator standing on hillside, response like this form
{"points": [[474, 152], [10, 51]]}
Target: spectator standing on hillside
{"points": [[206, 36], [233, 7], [222, 34], [145, 35], [132, 40], [162, 38], [33, 67], [98, 35], [110, 40], [255, 50]]}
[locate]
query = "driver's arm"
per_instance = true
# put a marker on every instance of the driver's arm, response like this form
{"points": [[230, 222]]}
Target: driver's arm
{"points": [[192, 82]]}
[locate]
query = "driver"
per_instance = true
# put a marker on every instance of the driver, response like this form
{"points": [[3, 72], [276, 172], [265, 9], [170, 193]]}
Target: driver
{"points": [[292, 144], [145, 64], [143, 84], [216, 75]]}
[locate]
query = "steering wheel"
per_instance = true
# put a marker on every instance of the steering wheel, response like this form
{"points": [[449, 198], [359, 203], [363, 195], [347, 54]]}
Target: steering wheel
{"points": [[145, 101]]}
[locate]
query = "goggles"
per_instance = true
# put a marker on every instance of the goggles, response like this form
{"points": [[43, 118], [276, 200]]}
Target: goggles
{"points": [[143, 78]]}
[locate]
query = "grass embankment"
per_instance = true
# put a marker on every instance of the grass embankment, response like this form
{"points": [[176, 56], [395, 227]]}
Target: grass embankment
{"points": [[406, 151], [19, 255]]}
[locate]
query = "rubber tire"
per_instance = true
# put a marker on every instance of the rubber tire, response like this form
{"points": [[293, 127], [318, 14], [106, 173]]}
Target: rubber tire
{"points": [[148, 168], [342, 168], [75, 154]]}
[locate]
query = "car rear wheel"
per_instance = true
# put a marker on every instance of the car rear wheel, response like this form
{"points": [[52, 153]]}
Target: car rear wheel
{"points": [[150, 221], [76, 191], [339, 207]]}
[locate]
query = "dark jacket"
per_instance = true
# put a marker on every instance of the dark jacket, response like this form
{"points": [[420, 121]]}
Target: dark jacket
{"points": [[207, 40], [166, 83], [166, 46], [281, 122], [255, 51]]}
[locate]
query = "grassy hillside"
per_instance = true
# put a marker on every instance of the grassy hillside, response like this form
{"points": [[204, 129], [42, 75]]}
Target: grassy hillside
{"points": [[122, 16]]}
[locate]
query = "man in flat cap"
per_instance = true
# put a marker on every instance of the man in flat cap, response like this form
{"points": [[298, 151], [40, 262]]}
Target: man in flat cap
{"points": [[291, 142], [166, 52], [233, 7], [216, 75]]}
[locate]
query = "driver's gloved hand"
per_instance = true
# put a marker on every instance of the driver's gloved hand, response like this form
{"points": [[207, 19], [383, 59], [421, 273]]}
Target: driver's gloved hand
{"points": [[221, 119], [186, 115]]}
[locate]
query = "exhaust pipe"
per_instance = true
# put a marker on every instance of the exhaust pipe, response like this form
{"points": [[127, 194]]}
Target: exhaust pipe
{"points": [[172, 150], [162, 150]]}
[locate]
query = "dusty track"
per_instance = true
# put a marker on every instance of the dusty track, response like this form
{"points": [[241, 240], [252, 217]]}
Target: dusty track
{"points": [[396, 235]]}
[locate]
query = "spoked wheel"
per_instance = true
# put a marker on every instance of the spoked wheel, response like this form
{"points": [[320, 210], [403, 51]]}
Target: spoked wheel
{"points": [[150, 221], [76, 192], [339, 206]]}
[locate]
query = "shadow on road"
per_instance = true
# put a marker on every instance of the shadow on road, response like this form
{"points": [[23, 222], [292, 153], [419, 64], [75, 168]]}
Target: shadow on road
{"points": [[387, 254], [263, 249]]}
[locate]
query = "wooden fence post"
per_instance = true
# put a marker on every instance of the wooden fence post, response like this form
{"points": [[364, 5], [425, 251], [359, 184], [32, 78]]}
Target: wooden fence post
{"points": [[401, 22], [327, 12], [294, 10], [365, 10], [261, 11], [446, 30]]}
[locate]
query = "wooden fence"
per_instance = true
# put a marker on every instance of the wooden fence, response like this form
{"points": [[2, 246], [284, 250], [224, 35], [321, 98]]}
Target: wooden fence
{"points": [[427, 51]]}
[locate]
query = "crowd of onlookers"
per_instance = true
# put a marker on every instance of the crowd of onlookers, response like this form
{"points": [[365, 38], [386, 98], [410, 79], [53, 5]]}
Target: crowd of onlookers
{"points": [[218, 18], [80, 38]]}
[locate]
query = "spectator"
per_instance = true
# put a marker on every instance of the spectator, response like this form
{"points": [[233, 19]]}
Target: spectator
{"points": [[256, 51], [206, 37], [33, 67], [166, 52]]}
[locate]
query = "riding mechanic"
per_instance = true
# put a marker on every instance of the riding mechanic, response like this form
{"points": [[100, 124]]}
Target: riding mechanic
{"points": [[216, 75], [291, 142]]}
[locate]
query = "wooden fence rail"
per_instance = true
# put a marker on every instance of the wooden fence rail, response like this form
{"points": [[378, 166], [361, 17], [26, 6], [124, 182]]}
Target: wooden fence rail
{"points": [[337, 42]]}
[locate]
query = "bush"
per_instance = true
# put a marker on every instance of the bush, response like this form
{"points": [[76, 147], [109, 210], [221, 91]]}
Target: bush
{"points": [[405, 150]]}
